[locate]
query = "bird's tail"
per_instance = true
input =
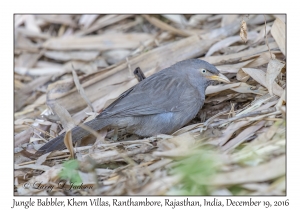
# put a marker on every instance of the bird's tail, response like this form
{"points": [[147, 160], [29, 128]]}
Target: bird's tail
{"points": [[77, 134]]}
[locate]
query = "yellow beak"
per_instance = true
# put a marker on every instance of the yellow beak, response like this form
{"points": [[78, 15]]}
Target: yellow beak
{"points": [[220, 77]]}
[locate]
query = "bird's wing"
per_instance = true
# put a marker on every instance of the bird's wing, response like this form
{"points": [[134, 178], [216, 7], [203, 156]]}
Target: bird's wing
{"points": [[157, 94]]}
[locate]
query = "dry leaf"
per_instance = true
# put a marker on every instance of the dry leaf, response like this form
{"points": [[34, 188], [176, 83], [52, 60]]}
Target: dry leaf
{"points": [[223, 32], [228, 19], [250, 131], [181, 146], [274, 68], [87, 20], [164, 26], [81, 91], [69, 143], [197, 19], [273, 169], [30, 24], [34, 166], [233, 127], [259, 19], [228, 41], [59, 19], [42, 159], [282, 100], [245, 88], [233, 68], [102, 22], [278, 32], [243, 31], [64, 116], [219, 88], [260, 77], [222, 59], [115, 56], [98, 42], [179, 19], [72, 55], [242, 76]]}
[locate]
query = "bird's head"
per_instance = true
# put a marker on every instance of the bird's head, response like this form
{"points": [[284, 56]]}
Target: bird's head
{"points": [[202, 71]]}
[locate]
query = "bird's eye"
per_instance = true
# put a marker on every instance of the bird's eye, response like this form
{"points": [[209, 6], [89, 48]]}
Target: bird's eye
{"points": [[203, 70]]}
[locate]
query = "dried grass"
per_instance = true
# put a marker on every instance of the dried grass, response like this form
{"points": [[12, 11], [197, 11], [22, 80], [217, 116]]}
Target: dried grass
{"points": [[235, 146]]}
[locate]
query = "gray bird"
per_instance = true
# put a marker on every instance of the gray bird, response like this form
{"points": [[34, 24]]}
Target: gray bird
{"points": [[159, 104]]}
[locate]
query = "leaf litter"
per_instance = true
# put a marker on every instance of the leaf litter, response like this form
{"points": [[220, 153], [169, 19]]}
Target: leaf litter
{"points": [[68, 68]]}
